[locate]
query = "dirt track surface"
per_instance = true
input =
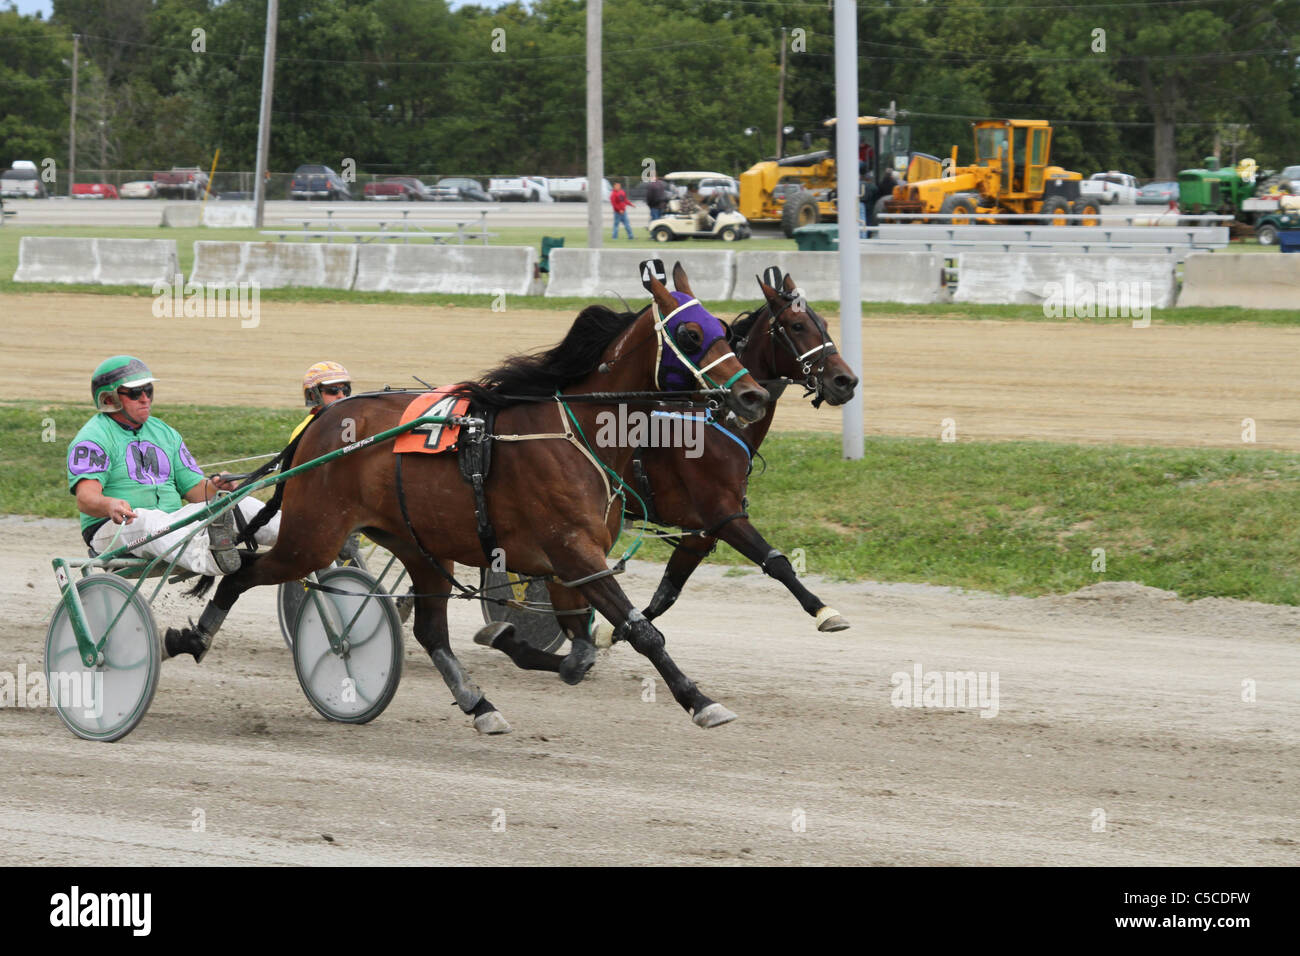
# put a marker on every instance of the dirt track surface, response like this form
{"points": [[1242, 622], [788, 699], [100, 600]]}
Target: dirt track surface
{"points": [[1071, 382], [1118, 698]]}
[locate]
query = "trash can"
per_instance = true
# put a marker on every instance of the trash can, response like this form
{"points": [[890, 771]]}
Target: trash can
{"points": [[548, 243], [1288, 240], [818, 238]]}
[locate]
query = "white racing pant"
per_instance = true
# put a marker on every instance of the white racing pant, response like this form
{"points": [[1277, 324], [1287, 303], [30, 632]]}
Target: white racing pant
{"points": [[195, 556]]}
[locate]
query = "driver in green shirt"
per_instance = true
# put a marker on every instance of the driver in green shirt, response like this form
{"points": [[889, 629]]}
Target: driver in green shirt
{"points": [[130, 470]]}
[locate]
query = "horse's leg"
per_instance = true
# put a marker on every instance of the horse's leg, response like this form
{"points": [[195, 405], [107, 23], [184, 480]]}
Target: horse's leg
{"points": [[273, 567], [686, 557], [431, 590], [630, 625], [572, 667], [744, 537]]}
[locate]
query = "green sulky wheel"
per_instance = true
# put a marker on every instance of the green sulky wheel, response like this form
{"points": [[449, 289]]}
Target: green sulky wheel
{"points": [[104, 702], [354, 683]]}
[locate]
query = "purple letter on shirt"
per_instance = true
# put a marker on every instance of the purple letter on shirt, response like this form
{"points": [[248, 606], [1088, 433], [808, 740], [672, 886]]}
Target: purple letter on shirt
{"points": [[147, 463], [86, 457]]}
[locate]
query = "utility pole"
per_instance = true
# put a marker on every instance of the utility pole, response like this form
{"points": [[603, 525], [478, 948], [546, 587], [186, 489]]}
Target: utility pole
{"points": [[264, 123], [72, 123], [780, 103], [846, 172], [595, 127]]}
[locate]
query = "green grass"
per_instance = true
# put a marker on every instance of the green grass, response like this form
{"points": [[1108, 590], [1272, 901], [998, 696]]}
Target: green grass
{"points": [[11, 235], [1013, 518]]}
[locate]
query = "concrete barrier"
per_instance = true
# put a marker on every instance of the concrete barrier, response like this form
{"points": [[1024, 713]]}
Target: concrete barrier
{"points": [[1264, 280], [180, 215], [911, 277], [1074, 281], [274, 265], [96, 261], [592, 273], [229, 215], [450, 269]]}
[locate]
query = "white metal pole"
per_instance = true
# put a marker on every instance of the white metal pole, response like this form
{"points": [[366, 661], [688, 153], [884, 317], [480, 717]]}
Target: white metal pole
{"points": [[595, 128], [846, 169], [264, 122], [72, 122]]}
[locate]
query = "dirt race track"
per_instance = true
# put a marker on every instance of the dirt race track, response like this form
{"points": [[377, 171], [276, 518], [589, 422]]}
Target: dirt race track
{"points": [[1071, 382], [1118, 700]]}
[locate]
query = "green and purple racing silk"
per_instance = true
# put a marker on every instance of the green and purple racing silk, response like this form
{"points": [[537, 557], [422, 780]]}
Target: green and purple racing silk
{"points": [[148, 467]]}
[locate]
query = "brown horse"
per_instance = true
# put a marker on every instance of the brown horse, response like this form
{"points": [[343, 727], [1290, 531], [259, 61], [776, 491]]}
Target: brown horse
{"points": [[549, 498], [784, 338]]}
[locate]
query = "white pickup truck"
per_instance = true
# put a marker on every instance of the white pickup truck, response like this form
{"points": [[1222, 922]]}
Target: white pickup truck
{"points": [[520, 189], [1113, 188]]}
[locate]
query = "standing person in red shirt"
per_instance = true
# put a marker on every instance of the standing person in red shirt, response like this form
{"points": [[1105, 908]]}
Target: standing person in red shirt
{"points": [[618, 199]]}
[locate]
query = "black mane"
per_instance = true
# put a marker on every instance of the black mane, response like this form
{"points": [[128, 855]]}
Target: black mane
{"points": [[543, 373], [744, 323]]}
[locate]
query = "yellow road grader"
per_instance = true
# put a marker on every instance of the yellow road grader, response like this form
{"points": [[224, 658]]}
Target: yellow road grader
{"points": [[1012, 173]]}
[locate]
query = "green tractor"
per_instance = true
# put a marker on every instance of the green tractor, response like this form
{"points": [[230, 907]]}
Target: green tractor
{"points": [[1217, 190]]}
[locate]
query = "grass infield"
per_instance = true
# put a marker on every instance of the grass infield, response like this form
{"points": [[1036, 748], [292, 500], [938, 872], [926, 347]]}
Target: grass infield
{"points": [[576, 238], [1014, 518]]}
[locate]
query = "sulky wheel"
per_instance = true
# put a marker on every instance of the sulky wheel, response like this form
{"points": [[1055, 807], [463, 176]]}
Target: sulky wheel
{"points": [[355, 682], [104, 702], [540, 630]]}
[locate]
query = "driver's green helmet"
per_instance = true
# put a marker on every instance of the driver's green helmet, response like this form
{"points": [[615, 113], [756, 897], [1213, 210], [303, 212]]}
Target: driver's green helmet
{"points": [[120, 371]]}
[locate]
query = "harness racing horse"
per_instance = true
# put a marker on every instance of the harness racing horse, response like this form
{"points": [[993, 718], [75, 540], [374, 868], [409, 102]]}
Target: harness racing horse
{"points": [[548, 494], [784, 338]]}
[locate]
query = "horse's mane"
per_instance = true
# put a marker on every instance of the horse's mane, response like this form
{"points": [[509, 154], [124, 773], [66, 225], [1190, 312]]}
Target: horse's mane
{"points": [[744, 324], [543, 373]]}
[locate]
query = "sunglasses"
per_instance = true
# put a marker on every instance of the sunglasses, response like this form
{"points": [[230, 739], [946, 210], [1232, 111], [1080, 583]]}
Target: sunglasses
{"points": [[134, 393], [344, 390]]}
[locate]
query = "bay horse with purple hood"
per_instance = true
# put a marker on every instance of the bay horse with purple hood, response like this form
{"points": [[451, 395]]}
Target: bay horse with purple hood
{"points": [[550, 493]]}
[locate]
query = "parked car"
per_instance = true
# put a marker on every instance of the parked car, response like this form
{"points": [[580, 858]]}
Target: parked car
{"points": [[710, 184], [1112, 187], [459, 189], [94, 191], [520, 189], [22, 181], [1158, 194], [403, 188], [317, 182], [181, 182], [140, 189], [574, 189]]}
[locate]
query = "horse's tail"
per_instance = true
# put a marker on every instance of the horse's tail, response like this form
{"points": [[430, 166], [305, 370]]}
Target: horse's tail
{"points": [[201, 586], [272, 506]]}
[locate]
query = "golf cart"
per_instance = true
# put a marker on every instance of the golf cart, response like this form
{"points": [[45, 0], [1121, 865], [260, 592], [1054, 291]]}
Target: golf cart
{"points": [[725, 222]]}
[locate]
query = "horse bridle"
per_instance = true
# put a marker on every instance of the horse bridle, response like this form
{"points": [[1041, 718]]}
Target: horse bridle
{"points": [[813, 373]]}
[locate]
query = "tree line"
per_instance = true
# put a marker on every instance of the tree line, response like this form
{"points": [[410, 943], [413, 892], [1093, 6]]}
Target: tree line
{"points": [[415, 86]]}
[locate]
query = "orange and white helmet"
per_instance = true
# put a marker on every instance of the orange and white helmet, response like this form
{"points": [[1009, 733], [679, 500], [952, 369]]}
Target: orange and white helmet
{"points": [[323, 373]]}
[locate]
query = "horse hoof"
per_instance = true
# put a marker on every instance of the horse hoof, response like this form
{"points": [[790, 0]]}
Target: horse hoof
{"points": [[574, 667], [828, 619], [491, 723], [713, 716], [603, 634], [489, 633]]}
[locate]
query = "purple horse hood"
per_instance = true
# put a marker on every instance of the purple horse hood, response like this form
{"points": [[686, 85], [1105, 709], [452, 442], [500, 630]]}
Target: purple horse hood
{"points": [[673, 373]]}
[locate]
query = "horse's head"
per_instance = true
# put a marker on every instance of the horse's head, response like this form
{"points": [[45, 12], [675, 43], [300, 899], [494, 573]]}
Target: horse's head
{"points": [[693, 349], [801, 345]]}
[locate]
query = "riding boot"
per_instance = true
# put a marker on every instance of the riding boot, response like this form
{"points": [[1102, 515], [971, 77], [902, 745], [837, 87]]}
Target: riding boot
{"points": [[221, 542]]}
